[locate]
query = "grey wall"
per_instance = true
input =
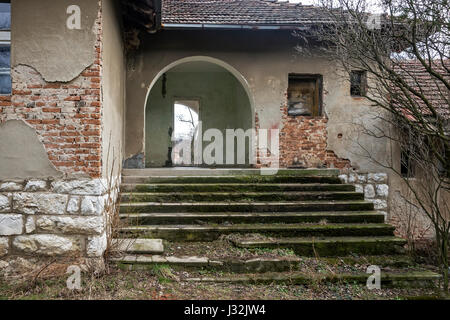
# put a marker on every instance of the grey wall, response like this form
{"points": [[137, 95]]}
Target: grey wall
{"points": [[264, 59], [223, 105], [41, 40], [113, 88]]}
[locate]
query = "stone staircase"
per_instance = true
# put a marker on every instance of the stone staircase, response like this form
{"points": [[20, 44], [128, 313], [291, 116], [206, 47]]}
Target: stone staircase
{"points": [[308, 213]]}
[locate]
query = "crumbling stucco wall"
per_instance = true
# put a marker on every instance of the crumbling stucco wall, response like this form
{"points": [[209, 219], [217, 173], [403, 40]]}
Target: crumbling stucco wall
{"points": [[22, 155], [56, 81], [54, 198], [41, 39], [113, 84], [264, 59]]}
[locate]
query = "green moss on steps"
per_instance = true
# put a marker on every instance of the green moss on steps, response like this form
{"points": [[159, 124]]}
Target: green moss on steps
{"points": [[331, 246], [247, 207], [240, 196], [211, 233]]}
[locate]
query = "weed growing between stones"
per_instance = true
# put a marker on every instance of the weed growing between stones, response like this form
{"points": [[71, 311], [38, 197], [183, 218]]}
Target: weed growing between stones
{"points": [[114, 245]]}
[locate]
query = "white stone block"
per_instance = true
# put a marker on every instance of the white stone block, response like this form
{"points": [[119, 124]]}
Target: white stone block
{"points": [[96, 246], [71, 225], [4, 203], [11, 186], [40, 203], [36, 185], [362, 178], [359, 188], [344, 178], [11, 224], [92, 205], [377, 178], [379, 204], [73, 206], [81, 186], [30, 225], [50, 245], [383, 190], [369, 191], [352, 178]]}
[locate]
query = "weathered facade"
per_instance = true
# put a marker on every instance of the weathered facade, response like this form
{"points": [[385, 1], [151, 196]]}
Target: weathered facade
{"points": [[58, 143], [86, 102]]}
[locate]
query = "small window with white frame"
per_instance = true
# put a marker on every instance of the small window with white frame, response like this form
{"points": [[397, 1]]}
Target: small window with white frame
{"points": [[5, 48]]}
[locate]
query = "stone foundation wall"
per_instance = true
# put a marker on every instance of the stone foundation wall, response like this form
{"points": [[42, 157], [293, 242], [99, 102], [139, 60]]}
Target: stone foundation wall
{"points": [[53, 218], [374, 185]]}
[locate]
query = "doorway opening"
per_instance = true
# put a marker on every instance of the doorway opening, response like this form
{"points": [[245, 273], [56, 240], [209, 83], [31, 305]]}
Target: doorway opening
{"points": [[190, 97], [185, 124]]}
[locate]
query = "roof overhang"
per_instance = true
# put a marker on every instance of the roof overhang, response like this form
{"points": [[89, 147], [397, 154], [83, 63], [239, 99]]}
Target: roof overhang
{"points": [[204, 26], [142, 14]]}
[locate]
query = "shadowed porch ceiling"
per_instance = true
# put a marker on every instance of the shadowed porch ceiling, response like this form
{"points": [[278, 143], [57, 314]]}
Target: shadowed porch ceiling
{"points": [[142, 14]]}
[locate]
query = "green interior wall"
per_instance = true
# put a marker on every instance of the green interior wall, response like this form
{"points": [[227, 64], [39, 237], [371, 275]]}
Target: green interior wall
{"points": [[224, 104]]}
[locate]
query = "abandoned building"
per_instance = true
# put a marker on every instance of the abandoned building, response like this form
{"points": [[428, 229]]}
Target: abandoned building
{"points": [[89, 108]]}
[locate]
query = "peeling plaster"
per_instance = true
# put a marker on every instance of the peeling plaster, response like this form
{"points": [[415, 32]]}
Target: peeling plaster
{"points": [[22, 155], [42, 41]]}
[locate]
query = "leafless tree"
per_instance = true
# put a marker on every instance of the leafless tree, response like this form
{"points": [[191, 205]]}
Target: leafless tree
{"points": [[403, 55]]}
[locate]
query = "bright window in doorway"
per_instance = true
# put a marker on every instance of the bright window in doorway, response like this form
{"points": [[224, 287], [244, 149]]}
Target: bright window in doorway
{"points": [[186, 119], [5, 47]]}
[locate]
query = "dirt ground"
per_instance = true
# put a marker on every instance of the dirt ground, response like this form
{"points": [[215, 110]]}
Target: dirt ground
{"points": [[161, 283]]}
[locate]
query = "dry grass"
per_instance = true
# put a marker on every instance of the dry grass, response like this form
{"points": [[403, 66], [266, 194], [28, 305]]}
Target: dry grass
{"points": [[161, 283]]}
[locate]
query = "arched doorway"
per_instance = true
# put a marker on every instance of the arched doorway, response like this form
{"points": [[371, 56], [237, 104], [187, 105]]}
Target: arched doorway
{"points": [[192, 95]]}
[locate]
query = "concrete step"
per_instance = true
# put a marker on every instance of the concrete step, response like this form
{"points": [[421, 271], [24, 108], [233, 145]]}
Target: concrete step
{"points": [[145, 246], [240, 196], [233, 187], [149, 207], [243, 217], [401, 279], [141, 262], [211, 233], [230, 179], [185, 172], [256, 264], [331, 246]]}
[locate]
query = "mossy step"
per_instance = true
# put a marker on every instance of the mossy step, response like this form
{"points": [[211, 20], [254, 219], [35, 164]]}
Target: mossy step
{"points": [[147, 246], [243, 217], [141, 262], [240, 196], [231, 179], [298, 206], [211, 233], [234, 187], [332, 246], [397, 280], [237, 264], [226, 172]]}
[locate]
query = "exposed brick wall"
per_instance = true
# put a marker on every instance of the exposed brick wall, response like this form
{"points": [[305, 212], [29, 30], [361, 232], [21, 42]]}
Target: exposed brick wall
{"points": [[303, 142], [66, 116]]}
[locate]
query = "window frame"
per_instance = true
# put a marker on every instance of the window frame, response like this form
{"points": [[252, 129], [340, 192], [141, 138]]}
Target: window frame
{"points": [[362, 84], [317, 108], [5, 41]]}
